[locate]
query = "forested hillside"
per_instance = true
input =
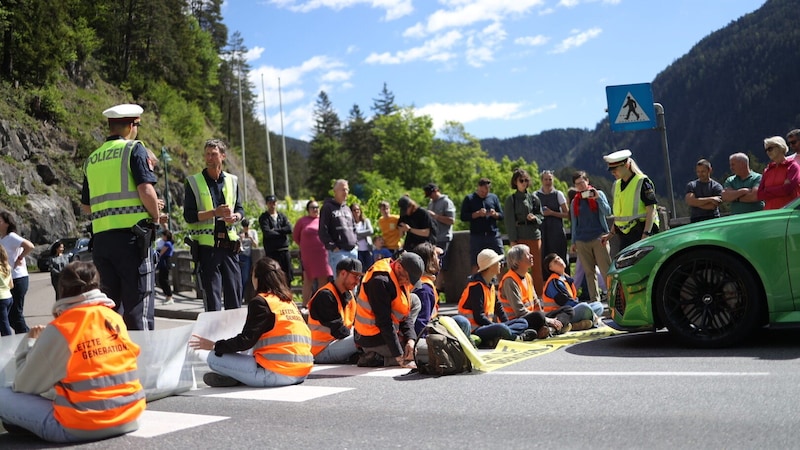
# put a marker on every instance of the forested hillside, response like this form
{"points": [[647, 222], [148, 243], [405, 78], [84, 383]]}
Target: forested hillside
{"points": [[736, 87]]}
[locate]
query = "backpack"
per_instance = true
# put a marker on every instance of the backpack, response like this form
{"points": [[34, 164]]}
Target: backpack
{"points": [[439, 353]]}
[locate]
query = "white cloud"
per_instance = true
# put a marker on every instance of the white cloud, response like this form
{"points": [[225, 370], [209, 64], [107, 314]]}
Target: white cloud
{"points": [[546, 11], [436, 49], [254, 53], [568, 3], [337, 76], [470, 112], [464, 13], [481, 46], [577, 39], [532, 41], [395, 9]]}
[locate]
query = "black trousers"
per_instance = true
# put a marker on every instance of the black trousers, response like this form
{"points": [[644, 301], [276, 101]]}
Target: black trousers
{"points": [[220, 277], [284, 259]]}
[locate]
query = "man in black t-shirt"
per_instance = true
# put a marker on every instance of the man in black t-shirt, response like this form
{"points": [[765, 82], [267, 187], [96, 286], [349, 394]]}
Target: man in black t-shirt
{"points": [[415, 223]]}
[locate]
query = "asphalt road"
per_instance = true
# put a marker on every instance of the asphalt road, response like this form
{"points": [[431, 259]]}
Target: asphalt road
{"points": [[630, 391]]}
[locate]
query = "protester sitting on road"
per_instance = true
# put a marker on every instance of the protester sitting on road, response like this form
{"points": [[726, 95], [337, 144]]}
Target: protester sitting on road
{"points": [[331, 312], [479, 304], [517, 294], [76, 377], [559, 291], [384, 316], [426, 291], [274, 329]]}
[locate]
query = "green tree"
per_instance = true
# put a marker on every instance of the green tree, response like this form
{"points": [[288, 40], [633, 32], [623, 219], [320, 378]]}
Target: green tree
{"points": [[384, 105], [327, 161], [406, 144]]}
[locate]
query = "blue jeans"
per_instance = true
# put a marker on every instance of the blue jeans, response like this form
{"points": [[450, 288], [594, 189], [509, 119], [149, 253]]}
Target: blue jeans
{"points": [[337, 352], [16, 317], [506, 330], [245, 264], [34, 413], [583, 311], [245, 369], [5, 326], [335, 257]]}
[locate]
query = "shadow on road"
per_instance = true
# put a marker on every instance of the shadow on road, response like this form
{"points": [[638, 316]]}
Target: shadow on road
{"points": [[766, 344]]}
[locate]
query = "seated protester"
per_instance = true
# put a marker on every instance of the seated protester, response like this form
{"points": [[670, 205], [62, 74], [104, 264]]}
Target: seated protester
{"points": [[56, 393], [426, 291], [518, 297], [384, 323], [559, 290], [331, 312], [479, 304], [283, 356]]}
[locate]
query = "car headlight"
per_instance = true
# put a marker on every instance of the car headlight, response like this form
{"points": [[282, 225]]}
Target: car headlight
{"points": [[633, 256]]}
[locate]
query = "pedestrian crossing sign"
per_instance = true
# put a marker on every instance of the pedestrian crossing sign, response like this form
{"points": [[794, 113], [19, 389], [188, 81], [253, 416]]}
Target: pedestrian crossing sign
{"points": [[630, 107]]}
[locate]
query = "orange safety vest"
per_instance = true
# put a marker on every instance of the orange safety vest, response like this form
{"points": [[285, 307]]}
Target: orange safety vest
{"points": [[488, 303], [286, 348], [101, 389], [526, 292], [550, 303], [429, 281], [401, 307], [320, 334]]}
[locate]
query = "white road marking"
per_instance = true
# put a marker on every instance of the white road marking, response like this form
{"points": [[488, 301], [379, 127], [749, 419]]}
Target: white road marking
{"points": [[323, 371], [297, 393], [636, 374], [156, 423]]}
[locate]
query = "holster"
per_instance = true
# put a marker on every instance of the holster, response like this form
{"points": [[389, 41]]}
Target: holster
{"points": [[145, 232]]}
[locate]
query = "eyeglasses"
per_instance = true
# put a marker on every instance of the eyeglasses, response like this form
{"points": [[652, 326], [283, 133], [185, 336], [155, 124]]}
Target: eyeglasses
{"points": [[313, 207], [524, 180], [136, 124], [770, 148]]}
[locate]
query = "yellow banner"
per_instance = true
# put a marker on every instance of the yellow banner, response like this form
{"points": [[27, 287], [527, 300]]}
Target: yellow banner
{"points": [[510, 352]]}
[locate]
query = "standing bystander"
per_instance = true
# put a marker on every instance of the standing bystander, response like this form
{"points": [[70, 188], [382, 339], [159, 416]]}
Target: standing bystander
{"points": [[741, 188], [337, 230], [276, 230], [415, 223], [780, 183], [590, 231], [482, 210], [523, 219], [704, 194], [388, 225], [211, 208], [249, 239], [554, 210]]}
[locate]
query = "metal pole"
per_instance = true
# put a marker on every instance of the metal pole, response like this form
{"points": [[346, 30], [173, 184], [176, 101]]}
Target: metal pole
{"points": [[166, 158], [662, 126], [241, 128], [283, 139], [266, 130]]}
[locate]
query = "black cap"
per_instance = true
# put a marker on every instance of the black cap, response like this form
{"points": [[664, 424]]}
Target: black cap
{"points": [[403, 204], [351, 265], [271, 198], [429, 188]]}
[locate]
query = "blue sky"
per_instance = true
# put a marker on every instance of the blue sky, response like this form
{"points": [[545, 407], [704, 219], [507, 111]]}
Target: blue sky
{"points": [[503, 68]]}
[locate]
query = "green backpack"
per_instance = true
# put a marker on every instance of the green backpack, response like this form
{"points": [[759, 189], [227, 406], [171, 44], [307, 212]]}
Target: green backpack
{"points": [[439, 352]]}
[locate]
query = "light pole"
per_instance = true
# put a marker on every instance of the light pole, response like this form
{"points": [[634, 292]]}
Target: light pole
{"points": [[166, 158]]}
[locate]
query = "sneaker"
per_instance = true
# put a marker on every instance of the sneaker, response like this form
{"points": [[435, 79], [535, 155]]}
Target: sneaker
{"points": [[476, 340], [565, 329], [214, 379], [370, 359], [581, 325], [527, 335], [168, 301]]}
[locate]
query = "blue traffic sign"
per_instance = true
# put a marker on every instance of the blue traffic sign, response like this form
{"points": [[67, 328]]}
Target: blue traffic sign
{"points": [[630, 107]]}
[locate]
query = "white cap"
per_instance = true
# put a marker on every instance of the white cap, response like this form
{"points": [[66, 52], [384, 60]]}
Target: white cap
{"points": [[617, 158], [124, 111]]}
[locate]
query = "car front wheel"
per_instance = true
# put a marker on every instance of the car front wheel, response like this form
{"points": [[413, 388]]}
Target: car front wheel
{"points": [[708, 299]]}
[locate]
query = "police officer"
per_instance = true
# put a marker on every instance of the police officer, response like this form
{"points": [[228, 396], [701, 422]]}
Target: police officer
{"points": [[118, 192], [211, 208], [634, 208]]}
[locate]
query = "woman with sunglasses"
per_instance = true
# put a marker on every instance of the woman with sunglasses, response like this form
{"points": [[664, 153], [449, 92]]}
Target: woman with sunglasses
{"points": [[523, 221], [780, 183]]}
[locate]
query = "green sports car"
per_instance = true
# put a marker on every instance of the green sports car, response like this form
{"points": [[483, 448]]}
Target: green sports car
{"points": [[711, 284]]}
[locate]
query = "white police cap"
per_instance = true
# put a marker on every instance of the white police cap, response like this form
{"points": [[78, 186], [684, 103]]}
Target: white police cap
{"points": [[617, 158], [123, 111]]}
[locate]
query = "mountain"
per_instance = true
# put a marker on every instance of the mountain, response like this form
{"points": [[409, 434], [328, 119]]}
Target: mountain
{"points": [[549, 148], [734, 88]]}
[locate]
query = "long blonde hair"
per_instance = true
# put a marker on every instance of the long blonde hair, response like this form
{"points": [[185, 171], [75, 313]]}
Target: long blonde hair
{"points": [[5, 266]]}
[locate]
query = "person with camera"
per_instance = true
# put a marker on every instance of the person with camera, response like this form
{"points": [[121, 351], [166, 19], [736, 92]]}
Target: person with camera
{"points": [[590, 231], [523, 220], [211, 207]]}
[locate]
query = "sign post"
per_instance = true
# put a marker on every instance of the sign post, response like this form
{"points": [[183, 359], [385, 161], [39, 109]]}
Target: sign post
{"points": [[631, 108]]}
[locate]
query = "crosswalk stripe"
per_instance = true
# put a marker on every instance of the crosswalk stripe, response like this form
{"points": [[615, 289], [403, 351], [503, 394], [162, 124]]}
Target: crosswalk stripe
{"points": [[155, 423]]}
